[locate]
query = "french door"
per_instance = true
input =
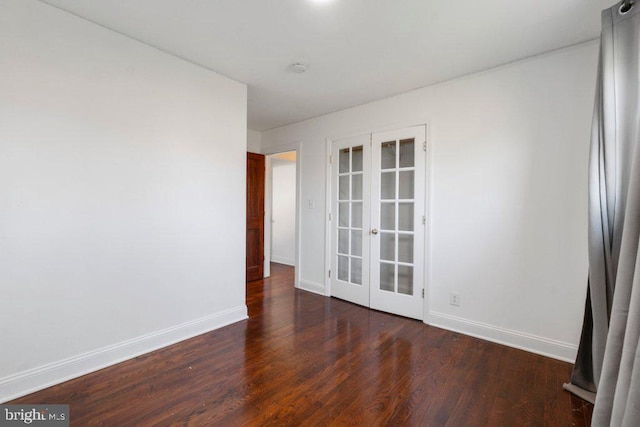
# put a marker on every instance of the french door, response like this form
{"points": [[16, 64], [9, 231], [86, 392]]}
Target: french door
{"points": [[377, 217]]}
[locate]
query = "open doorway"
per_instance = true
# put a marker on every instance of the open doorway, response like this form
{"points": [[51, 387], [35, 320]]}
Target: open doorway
{"points": [[281, 211]]}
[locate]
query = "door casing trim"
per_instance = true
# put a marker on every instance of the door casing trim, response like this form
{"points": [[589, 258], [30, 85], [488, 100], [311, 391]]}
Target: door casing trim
{"points": [[297, 147]]}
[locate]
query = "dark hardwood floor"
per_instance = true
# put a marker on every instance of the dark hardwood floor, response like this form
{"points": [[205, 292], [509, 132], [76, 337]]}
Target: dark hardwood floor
{"points": [[303, 359]]}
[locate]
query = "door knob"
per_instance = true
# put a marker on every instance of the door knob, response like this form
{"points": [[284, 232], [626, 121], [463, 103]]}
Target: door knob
{"points": [[374, 231]]}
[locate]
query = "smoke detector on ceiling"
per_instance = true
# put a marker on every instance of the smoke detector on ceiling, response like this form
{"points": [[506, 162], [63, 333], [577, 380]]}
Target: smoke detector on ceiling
{"points": [[298, 67]]}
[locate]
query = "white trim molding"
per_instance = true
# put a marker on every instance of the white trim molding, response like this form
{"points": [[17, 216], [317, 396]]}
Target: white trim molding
{"points": [[523, 341], [32, 380], [327, 216], [268, 196]]}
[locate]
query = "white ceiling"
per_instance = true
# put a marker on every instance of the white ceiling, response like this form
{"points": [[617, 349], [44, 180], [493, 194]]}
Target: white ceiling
{"points": [[356, 50]]}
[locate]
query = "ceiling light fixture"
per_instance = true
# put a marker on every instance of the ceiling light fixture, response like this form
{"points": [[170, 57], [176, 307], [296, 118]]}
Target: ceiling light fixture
{"points": [[298, 68]]}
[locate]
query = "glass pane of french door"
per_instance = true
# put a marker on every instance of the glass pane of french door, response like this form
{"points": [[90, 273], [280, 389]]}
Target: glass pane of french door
{"points": [[396, 235], [397, 225], [350, 197]]}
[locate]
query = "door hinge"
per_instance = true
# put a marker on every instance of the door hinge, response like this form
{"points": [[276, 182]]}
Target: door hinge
{"points": [[329, 274], [424, 146], [330, 216], [423, 293], [424, 219], [331, 159]]}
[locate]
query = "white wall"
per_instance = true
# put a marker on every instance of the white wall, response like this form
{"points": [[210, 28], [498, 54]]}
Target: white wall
{"points": [[253, 141], [283, 216], [508, 195], [122, 197]]}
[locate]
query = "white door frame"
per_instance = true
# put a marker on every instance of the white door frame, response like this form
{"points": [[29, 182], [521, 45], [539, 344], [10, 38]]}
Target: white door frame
{"points": [[268, 201], [428, 206]]}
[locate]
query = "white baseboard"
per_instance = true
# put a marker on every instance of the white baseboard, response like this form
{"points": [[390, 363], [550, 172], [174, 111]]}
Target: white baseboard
{"points": [[316, 288], [532, 343], [283, 260], [27, 382]]}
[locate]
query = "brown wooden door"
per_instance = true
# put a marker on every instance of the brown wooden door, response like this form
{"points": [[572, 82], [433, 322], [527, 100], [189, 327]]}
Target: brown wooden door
{"points": [[255, 216]]}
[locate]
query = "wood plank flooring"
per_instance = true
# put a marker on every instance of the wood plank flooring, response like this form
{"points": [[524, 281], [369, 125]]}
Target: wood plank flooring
{"points": [[306, 360]]}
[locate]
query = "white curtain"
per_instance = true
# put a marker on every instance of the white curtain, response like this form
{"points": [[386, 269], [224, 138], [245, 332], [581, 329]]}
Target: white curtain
{"points": [[608, 362]]}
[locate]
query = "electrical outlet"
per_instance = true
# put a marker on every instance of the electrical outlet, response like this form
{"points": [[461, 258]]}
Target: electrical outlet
{"points": [[454, 298], [312, 204]]}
